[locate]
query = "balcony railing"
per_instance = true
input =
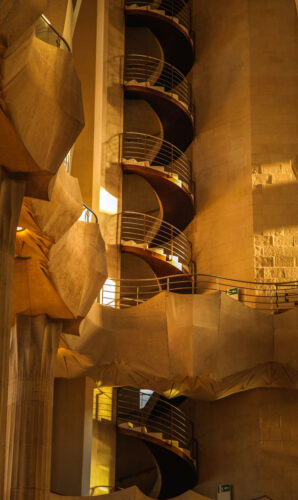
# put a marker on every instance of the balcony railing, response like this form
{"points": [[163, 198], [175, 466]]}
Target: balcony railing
{"points": [[88, 215], [46, 32], [150, 233], [177, 10], [149, 151], [154, 73], [270, 297], [163, 421]]}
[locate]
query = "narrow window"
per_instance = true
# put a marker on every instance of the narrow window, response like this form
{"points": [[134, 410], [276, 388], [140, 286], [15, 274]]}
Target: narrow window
{"points": [[145, 395]]}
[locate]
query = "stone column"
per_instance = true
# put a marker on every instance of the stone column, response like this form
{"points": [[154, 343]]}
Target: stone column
{"points": [[11, 196], [34, 344]]}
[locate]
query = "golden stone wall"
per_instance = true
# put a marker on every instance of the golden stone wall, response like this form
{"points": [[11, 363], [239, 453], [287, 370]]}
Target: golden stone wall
{"points": [[275, 195], [246, 91], [255, 446]]}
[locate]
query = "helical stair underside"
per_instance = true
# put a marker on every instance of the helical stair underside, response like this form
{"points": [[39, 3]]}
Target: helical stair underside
{"points": [[159, 241], [162, 161], [170, 21], [163, 428]]}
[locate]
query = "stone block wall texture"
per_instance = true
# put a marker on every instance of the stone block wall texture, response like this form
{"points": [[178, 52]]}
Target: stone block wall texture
{"points": [[249, 440], [275, 196], [245, 83]]}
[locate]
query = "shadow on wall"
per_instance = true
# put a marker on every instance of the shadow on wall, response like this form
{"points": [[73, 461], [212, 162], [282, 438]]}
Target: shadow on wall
{"points": [[275, 206]]}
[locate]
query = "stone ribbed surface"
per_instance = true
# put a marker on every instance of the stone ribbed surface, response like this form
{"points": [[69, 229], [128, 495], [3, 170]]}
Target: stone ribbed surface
{"points": [[34, 344], [11, 195]]}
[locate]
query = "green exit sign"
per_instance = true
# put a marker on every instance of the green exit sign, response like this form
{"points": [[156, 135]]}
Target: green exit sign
{"points": [[222, 488], [232, 291]]}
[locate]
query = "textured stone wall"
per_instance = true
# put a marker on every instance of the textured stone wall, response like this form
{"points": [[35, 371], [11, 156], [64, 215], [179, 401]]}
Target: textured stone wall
{"points": [[275, 195], [249, 440], [274, 137], [222, 229], [246, 89]]}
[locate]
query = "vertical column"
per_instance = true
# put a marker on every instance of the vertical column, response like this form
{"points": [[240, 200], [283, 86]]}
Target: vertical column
{"points": [[34, 344], [72, 436], [103, 463], [11, 196]]}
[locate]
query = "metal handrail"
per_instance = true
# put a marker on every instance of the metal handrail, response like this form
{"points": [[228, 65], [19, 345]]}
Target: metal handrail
{"points": [[155, 153], [164, 418], [155, 73], [156, 235], [177, 10], [87, 214], [45, 31], [266, 296]]}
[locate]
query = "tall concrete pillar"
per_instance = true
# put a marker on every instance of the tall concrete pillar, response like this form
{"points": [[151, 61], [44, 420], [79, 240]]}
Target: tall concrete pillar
{"points": [[72, 436], [11, 196], [34, 344]]}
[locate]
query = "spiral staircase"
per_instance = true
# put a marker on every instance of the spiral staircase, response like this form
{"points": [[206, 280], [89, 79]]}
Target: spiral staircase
{"points": [[150, 420], [161, 160], [162, 84]]}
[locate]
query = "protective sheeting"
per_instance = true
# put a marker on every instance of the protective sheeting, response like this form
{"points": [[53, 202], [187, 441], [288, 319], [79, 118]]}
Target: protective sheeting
{"points": [[43, 95], [78, 267], [39, 85], [206, 346], [17, 16], [59, 279], [132, 493], [56, 216]]}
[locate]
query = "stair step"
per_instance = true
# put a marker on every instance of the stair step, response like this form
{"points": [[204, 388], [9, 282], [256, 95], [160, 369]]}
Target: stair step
{"points": [[133, 161], [160, 251], [172, 442], [132, 243], [126, 425], [157, 435], [141, 428]]}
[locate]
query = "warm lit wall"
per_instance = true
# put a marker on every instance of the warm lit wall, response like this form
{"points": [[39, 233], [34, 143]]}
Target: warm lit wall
{"points": [[109, 102], [222, 229], [84, 44], [246, 90], [249, 440], [274, 137], [72, 435], [103, 458], [56, 12]]}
